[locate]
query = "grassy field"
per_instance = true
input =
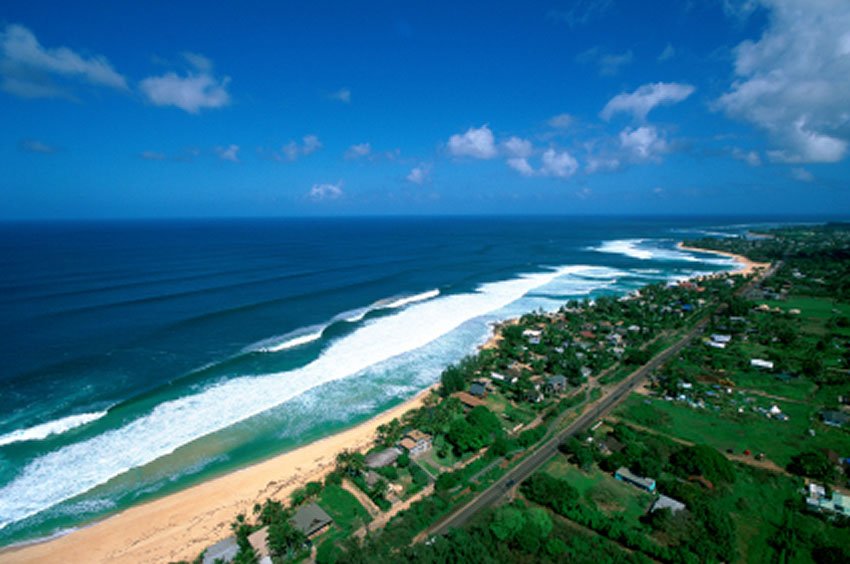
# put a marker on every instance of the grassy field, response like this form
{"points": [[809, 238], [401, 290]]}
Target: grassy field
{"points": [[607, 493], [779, 440], [345, 510], [799, 389]]}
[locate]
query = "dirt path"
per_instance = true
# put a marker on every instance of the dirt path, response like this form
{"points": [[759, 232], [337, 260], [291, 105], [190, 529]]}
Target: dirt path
{"points": [[381, 520], [364, 500]]}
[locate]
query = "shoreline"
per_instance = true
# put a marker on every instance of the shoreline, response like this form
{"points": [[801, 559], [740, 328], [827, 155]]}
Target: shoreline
{"points": [[747, 266], [180, 525]]}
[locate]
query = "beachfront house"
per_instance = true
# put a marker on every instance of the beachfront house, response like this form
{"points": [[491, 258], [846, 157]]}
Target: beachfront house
{"points": [[533, 336], [382, 458], [416, 442], [625, 475], [311, 520], [468, 400], [222, 551], [259, 541], [664, 502]]}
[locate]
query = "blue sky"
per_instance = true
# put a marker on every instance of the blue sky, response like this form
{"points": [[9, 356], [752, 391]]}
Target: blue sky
{"points": [[184, 109]]}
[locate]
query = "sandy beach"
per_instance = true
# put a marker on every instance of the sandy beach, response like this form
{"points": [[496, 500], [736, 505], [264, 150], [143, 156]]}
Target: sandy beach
{"points": [[179, 526], [747, 267]]}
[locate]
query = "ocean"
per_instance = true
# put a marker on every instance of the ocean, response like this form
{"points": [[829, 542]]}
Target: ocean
{"points": [[141, 357]]}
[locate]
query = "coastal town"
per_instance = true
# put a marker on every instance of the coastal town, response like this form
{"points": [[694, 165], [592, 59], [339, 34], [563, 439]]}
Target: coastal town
{"points": [[700, 420]]}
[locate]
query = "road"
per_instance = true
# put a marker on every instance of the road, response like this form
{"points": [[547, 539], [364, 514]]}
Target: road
{"points": [[543, 453]]}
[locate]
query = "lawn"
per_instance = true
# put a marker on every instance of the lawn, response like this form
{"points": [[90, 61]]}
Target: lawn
{"points": [[799, 389], [820, 308], [607, 493], [345, 510], [779, 440]]}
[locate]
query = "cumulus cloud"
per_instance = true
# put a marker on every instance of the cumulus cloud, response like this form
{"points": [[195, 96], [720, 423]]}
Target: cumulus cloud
{"points": [[518, 147], [358, 151], [292, 150], [793, 81], [342, 95], [477, 143], [608, 64], [558, 163], [229, 153], [196, 90], [320, 192], [643, 143], [640, 102], [560, 121], [28, 69], [601, 164], [521, 165], [419, 174], [36, 146]]}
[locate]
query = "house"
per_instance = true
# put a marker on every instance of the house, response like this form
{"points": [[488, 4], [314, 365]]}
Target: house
{"points": [[222, 551], [382, 458], [760, 363], [260, 543], [590, 335], [533, 336], [625, 475], [556, 384], [311, 520], [817, 501], [664, 502], [502, 378], [718, 338], [716, 345], [416, 442], [834, 418], [533, 395], [469, 401], [478, 389]]}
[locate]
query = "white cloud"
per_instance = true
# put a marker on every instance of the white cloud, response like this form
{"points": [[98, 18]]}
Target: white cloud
{"points": [[668, 53], [477, 143], [793, 82], [229, 153], [292, 150], [152, 156], [419, 174], [342, 95], [328, 191], [802, 175], [608, 63], [640, 102], [560, 164], [561, 121], [599, 164], [359, 150], [197, 90], [28, 68], [36, 146], [518, 147], [752, 158], [521, 165], [581, 12], [643, 143]]}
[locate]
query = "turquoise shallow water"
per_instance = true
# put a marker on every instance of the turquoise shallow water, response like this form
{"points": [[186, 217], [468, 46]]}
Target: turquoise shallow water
{"points": [[142, 357]]}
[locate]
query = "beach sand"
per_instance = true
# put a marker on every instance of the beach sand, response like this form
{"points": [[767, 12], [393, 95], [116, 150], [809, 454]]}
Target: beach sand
{"points": [[179, 526], [747, 267]]}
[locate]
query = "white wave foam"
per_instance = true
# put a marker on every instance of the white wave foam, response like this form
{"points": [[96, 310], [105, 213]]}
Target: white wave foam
{"points": [[395, 303], [294, 339], [645, 249], [80, 467], [44, 430]]}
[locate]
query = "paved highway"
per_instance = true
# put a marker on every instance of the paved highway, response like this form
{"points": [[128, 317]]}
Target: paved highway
{"points": [[548, 449]]}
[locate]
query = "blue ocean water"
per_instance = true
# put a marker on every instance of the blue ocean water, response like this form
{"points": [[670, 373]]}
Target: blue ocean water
{"points": [[141, 357]]}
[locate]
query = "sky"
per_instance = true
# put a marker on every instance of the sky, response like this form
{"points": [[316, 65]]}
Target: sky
{"points": [[239, 109]]}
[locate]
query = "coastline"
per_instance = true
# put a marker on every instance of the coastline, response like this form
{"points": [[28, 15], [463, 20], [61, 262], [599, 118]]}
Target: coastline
{"points": [[180, 525], [747, 266]]}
